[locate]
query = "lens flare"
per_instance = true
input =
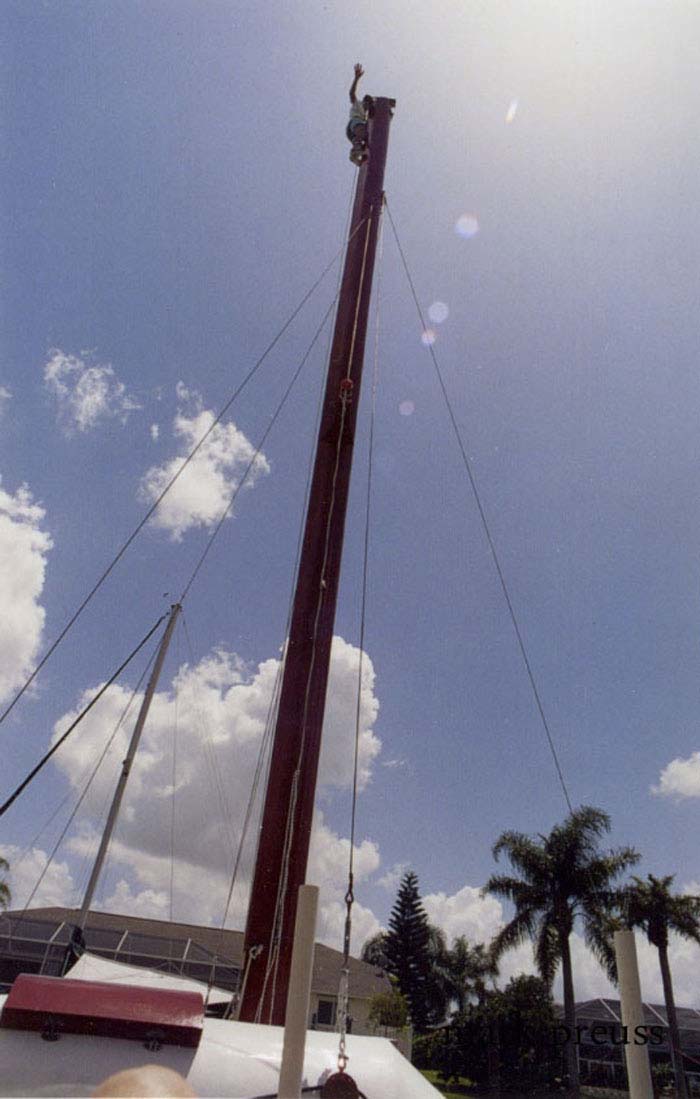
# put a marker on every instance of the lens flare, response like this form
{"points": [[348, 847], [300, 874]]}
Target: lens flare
{"points": [[428, 337], [467, 226], [407, 408], [438, 312], [512, 111]]}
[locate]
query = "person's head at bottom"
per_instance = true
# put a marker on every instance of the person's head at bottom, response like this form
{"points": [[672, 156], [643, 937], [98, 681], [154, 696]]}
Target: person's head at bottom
{"points": [[152, 1081]]}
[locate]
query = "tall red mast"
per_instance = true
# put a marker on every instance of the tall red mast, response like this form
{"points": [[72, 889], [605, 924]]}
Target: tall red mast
{"points": [[283, 845]]}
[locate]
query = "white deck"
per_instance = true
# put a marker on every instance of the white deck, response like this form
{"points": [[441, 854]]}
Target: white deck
{"points": [[234, 1060]]}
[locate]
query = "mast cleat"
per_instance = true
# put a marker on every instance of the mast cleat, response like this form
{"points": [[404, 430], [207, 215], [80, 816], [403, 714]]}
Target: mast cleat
{"points": [[346, 389]]}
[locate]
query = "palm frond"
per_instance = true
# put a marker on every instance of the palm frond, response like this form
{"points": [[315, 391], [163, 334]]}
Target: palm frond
{"points": [[598, 929], [523, 926], [514, 889], [547, 951], [524, 853]]}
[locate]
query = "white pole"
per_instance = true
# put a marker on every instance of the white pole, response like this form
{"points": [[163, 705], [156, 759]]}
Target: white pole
{"points": [[299, 994], [126, 768], [637, 1056]]}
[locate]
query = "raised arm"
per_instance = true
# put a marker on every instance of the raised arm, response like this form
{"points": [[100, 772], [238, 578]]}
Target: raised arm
{"points": [[359, 71]]}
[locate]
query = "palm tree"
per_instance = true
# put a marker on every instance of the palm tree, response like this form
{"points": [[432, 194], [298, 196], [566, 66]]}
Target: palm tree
{"points": [[468, 969], [5, 894], [562, 876], [438, 990], [652, 906], [374, 951]]}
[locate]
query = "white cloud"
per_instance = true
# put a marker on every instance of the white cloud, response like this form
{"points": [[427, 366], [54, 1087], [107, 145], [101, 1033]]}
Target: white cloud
{"points": [[23, 549], [85, 394], [155, 432], [328, 868], [5, 396], [466, 912], [219, 708], [203, 490], [335, 768], [392, 879], [148, 903], [330, 927], [57, 886], [680, 778]]}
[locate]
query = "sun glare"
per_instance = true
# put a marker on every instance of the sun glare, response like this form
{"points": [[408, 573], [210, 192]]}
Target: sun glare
{"points": [[467, 226], [438, 312]]}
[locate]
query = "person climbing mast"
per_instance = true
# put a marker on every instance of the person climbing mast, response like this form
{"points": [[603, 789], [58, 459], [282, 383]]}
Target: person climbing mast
{"points": [[357, 126]]}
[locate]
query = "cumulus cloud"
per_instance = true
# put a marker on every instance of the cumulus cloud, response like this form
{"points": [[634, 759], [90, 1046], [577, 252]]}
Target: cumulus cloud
{"points": [[466, 912], [150, 904], [680, 778], [155, 432], [217, 710], [57, 886], [328, 868], [23, 549], [85, 394], [203, 490], [392, 878], [5, 396]]}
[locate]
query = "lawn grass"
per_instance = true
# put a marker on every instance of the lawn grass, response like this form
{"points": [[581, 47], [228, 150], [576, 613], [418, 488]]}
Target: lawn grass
{"points": [[455, 1091], [463, 1088]]}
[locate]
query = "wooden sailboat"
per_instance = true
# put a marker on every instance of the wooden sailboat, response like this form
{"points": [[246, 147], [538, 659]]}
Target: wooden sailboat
{"points": [[61, 1036]]}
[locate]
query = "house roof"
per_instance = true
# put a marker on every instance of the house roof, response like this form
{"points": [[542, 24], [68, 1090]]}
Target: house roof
{"points": [[169, 940], [605, 1010]]}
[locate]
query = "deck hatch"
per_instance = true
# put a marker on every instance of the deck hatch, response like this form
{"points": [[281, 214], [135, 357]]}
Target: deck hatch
{"points": [[54, 1006]]}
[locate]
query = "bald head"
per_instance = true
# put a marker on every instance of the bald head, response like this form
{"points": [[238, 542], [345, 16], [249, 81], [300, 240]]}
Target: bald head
{"points": [[152, 1081]]}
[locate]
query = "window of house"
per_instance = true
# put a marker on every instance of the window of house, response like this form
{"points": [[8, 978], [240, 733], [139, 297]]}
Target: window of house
{"points": [[325, 1015]]}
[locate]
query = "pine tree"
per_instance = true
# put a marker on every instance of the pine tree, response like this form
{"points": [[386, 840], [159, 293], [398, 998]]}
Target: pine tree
{"points": [[407, 949]]}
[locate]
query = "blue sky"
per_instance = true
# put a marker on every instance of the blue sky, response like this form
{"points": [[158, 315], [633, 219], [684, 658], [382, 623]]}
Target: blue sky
{"points": [[176, 177]]}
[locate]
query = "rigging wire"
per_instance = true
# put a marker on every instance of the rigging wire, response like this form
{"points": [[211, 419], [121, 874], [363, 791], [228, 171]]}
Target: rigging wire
{"points": [[365, 552], [271, 717], [344, 984], [207, 745], [263, 754], [200, 562], [209, 757], [197, 568], [256, 453], [485, 525], [173, 783], [71, 818], [139, 527], [83, 713], [273, 958]]}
